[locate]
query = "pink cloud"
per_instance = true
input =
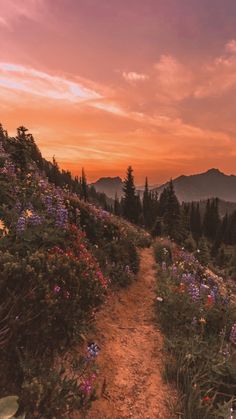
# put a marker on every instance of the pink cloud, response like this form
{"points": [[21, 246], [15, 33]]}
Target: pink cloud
{"points": [[174, 81], [218, 77], [132, 76], [231, 46], [15, 9]]}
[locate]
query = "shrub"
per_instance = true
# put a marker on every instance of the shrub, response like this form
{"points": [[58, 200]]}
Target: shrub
{"points": [[198, 322], [162, 252]]}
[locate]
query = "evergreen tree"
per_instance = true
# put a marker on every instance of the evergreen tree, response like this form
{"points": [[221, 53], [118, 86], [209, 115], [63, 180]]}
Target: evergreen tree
{"points": [[221, 258], [185, 221], [20, 150], [163, 202], [55, 174], [117, 206], [224, 230], [231, 230], [203, 254], [157, 229], [172, 214], [129, 202], [139, 211], [195, 221], [84, 186], [147, 206], [233, 264], [211, 220], [190, 244]]}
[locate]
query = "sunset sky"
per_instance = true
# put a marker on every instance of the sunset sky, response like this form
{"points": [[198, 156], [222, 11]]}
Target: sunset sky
{"points": [[107, 83]]}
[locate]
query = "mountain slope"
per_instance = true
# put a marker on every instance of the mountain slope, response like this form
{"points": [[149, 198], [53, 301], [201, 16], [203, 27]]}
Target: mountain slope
{"points": [[212, 183], [111, 186]]}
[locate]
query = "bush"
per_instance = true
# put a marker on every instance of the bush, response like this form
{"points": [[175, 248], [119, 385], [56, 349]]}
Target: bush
{"points": [[162, 252], [198, 324]]}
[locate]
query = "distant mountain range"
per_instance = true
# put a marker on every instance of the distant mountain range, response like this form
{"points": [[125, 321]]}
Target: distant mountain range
{"points": [[210, 184], [111, 186], [199, 187]]}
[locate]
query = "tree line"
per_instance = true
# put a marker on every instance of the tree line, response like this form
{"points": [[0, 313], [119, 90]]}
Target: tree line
{"points": [[187, 224]]}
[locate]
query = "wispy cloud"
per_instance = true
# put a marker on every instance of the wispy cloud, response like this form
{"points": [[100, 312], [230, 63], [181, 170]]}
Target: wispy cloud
{"points": [[231, 46], [132, 76], [31, 81], [108, 107], [21, 79], [174, 81], [219, 76], [15, 9]]}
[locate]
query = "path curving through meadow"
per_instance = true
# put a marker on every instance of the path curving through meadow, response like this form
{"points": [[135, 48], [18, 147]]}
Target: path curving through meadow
{"points": [[131, 358]]}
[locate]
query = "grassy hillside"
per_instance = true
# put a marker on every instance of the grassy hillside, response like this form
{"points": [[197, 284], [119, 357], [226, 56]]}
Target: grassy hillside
{"points": [[197, 316], [59, 256]]}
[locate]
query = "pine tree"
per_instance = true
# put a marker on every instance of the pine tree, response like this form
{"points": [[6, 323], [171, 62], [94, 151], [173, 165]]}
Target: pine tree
{"points": [[163, 202], [221, 258], [203, 254], [233, 264], [129, 202], [231, 230], [211, 220], [20, 152], [172, 214], [195, 221], [84, 186], [147, 206], [117, 207], [138, 211]]}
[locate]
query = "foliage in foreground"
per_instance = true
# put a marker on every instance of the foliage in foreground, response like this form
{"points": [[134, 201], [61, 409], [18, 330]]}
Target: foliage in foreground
{"points": [[58, 257], [199, 323]]}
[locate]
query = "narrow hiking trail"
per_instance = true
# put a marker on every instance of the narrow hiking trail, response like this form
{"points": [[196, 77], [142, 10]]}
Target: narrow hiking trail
{"points": [[131, 355]]}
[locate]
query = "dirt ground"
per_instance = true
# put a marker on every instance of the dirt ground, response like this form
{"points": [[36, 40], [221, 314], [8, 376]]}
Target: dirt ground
{"points": [[131, 357]]}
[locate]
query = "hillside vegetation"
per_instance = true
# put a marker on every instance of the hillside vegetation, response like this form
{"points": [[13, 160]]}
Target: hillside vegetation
{"points": [[198, 318], [59, 255]]}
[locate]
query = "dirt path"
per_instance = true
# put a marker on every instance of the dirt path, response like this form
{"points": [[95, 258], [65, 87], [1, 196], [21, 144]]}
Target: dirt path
{"points": [[131, 357]]}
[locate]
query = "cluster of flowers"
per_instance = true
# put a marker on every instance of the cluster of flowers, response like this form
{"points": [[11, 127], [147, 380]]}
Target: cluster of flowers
{"points": [[8, 169], [8, 166], [200, 285], [193, 279], [54, 200], [28, 217], [87, 384], [122, 228], [81, 254]]}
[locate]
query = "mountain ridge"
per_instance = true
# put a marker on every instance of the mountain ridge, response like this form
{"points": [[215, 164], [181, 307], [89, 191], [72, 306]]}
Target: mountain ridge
{"points": [[205, 185], [196, 187]]}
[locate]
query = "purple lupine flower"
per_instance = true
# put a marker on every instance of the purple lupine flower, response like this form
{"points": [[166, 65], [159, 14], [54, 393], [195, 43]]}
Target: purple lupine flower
{"points": [[93, 349], [61, 217], [232, 336], [18, 206], [35, 219], [194, 292], [21, 224], [51, 210]]}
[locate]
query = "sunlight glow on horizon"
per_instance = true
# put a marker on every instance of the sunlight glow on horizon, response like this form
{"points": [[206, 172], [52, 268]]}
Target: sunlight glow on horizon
{"points": [[160, 97]]}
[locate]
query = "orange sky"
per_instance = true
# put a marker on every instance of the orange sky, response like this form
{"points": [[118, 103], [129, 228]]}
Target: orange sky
{"points": [[104, 84]]}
